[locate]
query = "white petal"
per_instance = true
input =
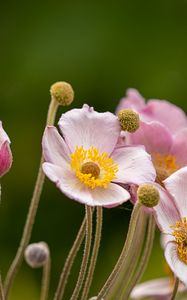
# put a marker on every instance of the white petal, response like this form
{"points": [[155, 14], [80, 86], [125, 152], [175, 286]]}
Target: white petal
{"points": [[160, 288], [55, 149], [135, 165], [71, 186], [178, 267], [88, 128], [176, 184], [166, 213]]}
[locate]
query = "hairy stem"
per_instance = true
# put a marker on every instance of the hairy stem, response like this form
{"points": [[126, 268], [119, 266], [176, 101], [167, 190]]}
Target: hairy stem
{"points": [[31, 213], [142, 264], [175, 290], [69, 262], [86, 255], [95, 252], [132, 227], [46, 279], [2, 297]]}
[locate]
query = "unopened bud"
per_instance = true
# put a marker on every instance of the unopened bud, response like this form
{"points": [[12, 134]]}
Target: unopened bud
{"points": [[36, 254], [129, 120], [62, 92], [148, 195]]}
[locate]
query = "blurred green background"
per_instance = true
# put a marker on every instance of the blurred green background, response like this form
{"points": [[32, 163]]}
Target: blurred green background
{"points": [[101, 48]]}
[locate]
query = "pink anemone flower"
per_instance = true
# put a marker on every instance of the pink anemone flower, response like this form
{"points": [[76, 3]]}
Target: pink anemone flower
{"points": [[155, 110], [5, 152], [171, 218], [156, 289], [168, 151], [85, 163]]}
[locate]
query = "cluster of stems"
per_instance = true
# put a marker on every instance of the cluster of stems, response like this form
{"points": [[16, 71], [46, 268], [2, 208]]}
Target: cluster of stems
{"points": [[128, 269]]}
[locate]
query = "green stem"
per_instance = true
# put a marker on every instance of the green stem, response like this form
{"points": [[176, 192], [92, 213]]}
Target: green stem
{"points": [[69, 262], [31, 213], [86, 255], [95, 252], [143, 260], [175, 290], [131, 262], [46, 279], [132, 226], [2, 297]]}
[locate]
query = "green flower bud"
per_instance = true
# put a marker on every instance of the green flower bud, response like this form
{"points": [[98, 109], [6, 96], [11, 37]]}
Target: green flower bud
{"points": [[62, 92], [148, 195], [129, 120]]}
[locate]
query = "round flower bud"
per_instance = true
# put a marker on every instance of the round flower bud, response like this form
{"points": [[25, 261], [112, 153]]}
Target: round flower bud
{"points": [[129, 120], [62, 92], [148, 195], [36, 254]]}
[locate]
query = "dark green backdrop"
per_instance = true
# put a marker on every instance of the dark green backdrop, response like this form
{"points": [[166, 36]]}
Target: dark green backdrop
{"points": [[101, 48]]}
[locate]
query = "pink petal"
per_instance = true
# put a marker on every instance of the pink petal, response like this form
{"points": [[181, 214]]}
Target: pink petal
{"points": [[135, 165], [178, 267], [154, 136], [132, 100], [160, 288], [179, 149], [167, 113], [166, 213], [176, 184], [86, 127], [166, 238], [55, 149], [71, 186], [5, 158]]}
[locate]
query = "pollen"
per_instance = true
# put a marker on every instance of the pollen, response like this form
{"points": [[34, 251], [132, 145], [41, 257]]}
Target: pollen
{"points": [[93, 168], [180, 234], [165, 165]]}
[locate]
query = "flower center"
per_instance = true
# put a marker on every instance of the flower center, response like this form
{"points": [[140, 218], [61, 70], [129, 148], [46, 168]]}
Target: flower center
{"points": [[165, 165], [92, 167], [180, 234]]}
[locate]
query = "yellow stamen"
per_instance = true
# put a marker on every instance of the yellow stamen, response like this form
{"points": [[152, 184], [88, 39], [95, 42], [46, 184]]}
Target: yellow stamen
{"points": [[165, 165], [93, 168], [180, 234]]}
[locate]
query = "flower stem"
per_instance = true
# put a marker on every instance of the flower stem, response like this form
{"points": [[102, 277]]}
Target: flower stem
{"points": [[69, 262], [143, 260], [46, 279], [134, 253], [175, 289], [86, 255], [95, 252], [132, 227], [31, 213], [2, 297]]}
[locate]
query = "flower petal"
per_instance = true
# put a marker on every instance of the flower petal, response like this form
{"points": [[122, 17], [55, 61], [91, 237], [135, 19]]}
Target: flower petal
{"points": [[166, 213], [132, 100], [154, 136], [179, 149], [71, 186], [88, 128], [160, 288], [178, 267], [55, 149], [5, 158], [177, 187], [134, 164], [159, 110]]}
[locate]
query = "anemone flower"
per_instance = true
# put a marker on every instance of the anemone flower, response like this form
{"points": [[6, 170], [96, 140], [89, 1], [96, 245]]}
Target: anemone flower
{"points": [[171, 217], [5, 152], [155, 110], [168, 151], [156, 289], [85, 163]]}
